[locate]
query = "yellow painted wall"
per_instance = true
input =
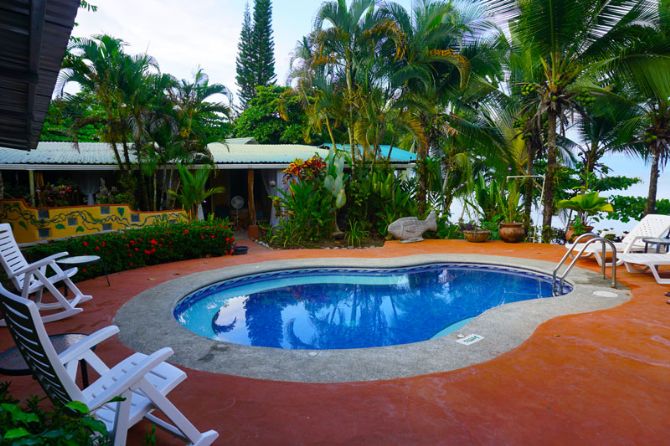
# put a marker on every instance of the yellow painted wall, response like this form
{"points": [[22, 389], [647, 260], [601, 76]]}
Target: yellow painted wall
{"points": [[32, 225]]}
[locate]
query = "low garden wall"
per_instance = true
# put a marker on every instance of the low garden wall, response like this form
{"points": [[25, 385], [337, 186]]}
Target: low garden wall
{"points": [[35, 224]]}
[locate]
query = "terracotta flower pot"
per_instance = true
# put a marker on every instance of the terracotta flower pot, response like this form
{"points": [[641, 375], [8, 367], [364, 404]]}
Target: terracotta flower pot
{"points": [[253, 232], [570, 234], [512, 232], [477, 235]]}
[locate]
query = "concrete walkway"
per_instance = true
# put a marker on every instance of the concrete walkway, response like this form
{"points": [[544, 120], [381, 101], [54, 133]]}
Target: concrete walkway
{"points": [[594, 378]]}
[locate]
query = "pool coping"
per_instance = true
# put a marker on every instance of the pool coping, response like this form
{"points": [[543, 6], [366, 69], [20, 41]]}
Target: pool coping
{"points": [[147, 324]]}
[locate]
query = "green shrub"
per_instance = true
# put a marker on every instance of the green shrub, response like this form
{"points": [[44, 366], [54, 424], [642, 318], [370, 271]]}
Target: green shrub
{"points": [[29, 424], [150, 245]]}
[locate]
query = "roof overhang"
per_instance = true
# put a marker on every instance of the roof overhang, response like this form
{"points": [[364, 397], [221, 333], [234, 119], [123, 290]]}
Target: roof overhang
{"points": [[113, 167], [33, 38]]}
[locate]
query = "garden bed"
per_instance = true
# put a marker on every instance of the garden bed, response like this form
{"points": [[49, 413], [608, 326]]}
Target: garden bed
{"points": [[151, 245]]}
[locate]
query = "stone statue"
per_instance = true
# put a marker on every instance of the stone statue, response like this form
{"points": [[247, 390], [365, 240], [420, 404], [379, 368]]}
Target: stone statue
{"points": [[411, 229]]}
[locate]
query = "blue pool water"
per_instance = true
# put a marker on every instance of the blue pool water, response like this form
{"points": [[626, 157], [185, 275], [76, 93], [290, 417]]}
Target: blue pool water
{"points": [[340, 308]]}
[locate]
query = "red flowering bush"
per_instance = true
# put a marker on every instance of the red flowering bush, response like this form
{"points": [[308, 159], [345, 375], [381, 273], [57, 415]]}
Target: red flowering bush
{"points": [[151, 245]]}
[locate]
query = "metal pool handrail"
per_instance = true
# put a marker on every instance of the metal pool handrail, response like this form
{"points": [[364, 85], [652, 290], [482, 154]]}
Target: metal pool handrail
{"points": [[595, 238]]}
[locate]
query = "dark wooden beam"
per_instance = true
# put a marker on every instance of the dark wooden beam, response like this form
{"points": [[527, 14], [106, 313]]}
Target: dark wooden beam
{"points": [[19, 76], [38, 9], [250, 196]]}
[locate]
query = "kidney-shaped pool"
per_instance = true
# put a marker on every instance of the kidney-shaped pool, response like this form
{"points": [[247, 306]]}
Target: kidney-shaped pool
{"points": [[345, 308]]}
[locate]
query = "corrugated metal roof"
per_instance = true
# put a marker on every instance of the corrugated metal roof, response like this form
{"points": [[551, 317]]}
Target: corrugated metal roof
{"points": [[102, 154], [262, 153], [247, 140], [97, 155], [398, 155]]}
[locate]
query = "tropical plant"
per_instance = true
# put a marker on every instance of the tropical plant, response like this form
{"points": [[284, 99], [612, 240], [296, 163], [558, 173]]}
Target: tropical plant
{"points": [[274, 116], [509, 203], [570, 42], [29, 424], [348, 40], [308, 209], [586, 204], [356, 234], [334, 181], [194, 189]]}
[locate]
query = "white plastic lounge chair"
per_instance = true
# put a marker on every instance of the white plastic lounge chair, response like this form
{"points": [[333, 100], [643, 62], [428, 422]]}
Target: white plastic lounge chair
{"points": [[648, 261], [142, 381], [31, 279], [651, 226]]}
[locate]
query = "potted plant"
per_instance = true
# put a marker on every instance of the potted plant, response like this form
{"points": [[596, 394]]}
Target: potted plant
{"points": [[511, 229], [584, 205], [474, 233]]}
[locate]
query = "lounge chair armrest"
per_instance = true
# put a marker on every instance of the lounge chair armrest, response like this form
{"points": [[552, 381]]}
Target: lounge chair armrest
{"points": [[38, 264], [77, 351], [136, 374], [632, 242]]}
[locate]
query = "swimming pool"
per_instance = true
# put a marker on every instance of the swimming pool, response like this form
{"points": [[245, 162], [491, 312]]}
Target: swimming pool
{"points": [[347, 308]]}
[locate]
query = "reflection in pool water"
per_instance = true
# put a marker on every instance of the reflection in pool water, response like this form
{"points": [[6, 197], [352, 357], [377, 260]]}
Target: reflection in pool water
{"points": [[338, 308]]}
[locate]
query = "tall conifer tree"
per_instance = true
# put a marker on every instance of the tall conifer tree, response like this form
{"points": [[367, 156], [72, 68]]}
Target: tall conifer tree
{"points": [[263, 43], [246, 77]]}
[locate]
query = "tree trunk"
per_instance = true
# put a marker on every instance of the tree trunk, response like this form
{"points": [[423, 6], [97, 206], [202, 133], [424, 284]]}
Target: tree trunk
{"points": [[350, 129], [591, 158], [126, 156], [118, 157], [552, 156], [422, 171], [155, 192], [650, 208], [448, 196], [529, 186]]}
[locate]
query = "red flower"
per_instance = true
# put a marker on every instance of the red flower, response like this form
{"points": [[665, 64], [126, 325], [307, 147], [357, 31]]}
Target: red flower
{"points": [[212, 236], [186, 231], [97, 248], [137, 249], [153, 241], [147, 252], [132, 242], [84, 243], [104, 243]]}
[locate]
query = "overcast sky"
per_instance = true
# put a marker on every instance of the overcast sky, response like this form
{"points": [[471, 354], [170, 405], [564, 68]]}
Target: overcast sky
{"points": [[183, 35]]}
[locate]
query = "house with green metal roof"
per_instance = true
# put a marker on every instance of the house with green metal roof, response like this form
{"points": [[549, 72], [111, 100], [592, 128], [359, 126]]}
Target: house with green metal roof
{"points": [[245, 169], [395, 155]]}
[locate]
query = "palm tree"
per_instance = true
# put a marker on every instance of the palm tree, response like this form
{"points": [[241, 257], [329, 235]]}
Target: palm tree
{"points": [[195, 111], [450, 64], [571, 41], [194, 189], [348, 40], [646, 95], [95, 64]]}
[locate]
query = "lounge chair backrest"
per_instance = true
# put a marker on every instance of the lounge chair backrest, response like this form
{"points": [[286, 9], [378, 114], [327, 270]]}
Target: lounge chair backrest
{"points": [[32, 340], [651, 225], [11, 257]]}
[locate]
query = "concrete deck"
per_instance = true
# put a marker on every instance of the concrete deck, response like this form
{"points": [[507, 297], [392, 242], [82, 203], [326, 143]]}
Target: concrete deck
{"points": [[601, 377]]}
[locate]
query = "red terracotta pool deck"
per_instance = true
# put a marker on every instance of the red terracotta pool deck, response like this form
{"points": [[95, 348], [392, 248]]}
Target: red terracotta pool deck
{"points": [[588, 379]]}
